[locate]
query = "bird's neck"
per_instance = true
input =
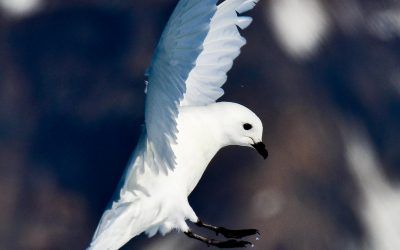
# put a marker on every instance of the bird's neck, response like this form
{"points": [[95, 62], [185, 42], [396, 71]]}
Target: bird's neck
{"points": [[207, 127]]}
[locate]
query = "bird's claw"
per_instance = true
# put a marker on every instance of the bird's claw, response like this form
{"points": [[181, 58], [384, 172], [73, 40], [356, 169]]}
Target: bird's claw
{"points": [[231, 244], [236, 234]]}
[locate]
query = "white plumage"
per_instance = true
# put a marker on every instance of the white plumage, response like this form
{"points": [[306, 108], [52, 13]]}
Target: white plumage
{"points": [[196, 50], [184, 126]]}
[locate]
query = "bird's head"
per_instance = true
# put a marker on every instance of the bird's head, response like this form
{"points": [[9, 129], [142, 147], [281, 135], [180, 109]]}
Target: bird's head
{"points": [[241, 127]]}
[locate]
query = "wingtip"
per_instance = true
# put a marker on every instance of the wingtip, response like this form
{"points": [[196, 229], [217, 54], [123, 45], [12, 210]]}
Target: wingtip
{"points": [[246, 6], [243, 22]]}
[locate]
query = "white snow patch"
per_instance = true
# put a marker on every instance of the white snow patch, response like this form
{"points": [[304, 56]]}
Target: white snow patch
{"points": [[380, 204], [20, 7], [300, 25]]}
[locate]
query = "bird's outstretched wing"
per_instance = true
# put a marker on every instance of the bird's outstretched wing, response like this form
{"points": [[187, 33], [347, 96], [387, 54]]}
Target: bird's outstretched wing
{"points": [[189, 67]]}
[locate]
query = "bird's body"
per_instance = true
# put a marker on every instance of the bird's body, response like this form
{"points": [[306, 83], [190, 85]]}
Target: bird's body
{"points": [[165, 197], [184, 126]]}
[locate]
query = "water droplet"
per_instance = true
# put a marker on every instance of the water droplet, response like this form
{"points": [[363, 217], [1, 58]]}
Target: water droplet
{"points": [[257, 238], [252, 245]]}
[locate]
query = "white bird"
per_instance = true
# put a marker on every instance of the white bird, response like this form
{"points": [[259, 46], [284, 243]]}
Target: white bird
{"points": [[184, 126]]}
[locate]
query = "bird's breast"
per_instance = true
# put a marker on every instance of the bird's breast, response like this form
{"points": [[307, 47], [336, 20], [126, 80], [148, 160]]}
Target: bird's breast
{"points": [[194, 149]]}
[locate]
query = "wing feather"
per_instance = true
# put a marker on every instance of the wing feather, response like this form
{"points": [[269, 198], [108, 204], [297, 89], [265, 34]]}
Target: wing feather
{"points": [[189, 67]]}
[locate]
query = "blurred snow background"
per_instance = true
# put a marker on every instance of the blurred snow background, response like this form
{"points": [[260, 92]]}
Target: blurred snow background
{"points": [[327, 80], [19, 7]]}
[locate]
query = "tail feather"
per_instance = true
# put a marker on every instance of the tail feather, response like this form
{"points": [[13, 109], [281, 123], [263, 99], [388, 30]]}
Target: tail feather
{"points": [[123, 221]]}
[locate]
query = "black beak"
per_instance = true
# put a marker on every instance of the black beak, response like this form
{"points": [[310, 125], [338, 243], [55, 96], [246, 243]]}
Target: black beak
{"points": [[260, 147]]}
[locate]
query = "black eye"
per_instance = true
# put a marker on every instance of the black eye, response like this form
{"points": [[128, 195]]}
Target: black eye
{"points": [[247, 126]]}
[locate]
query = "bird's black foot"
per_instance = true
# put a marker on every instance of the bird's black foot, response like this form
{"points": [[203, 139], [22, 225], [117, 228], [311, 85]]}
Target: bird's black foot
{"points": [[232, 244], [236, 234], [229, 233], [219, 244]]}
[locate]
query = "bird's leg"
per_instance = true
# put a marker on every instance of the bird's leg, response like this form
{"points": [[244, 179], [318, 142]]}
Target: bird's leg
{"points": [[219, 244], [228, 233]]}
